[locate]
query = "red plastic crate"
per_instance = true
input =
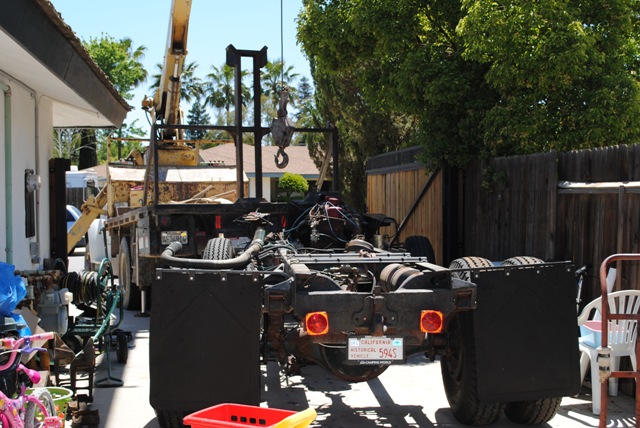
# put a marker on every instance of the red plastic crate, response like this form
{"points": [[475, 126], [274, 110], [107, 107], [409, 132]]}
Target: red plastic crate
{"points": [[236, 415]]}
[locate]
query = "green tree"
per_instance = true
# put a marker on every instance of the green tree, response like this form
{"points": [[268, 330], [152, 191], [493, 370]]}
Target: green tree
{"points": [[468, 79], [352, 84], [275, 76], [191, 86], [120, 61], [308, 116], [565, 72], [290, 184], [66, 144], [197, 116], [119, 149], [220, 92]]}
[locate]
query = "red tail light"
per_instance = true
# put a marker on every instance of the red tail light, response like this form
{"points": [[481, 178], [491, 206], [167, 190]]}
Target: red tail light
{"points": [[218, 222], [431, 321], [317, 323]]}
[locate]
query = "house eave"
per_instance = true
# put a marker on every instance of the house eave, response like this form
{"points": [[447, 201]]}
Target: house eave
{"points": [[43, 53]]}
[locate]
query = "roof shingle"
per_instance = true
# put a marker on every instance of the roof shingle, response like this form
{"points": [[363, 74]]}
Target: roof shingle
{"points": [[300, 161]]}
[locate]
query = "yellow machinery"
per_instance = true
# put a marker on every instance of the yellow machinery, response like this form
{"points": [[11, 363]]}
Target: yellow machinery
{"points": [[164, 107], [181, 176], [91, 210]]}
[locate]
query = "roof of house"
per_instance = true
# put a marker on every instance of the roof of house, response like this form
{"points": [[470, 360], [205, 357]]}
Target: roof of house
{"points": [[300, 161], [43, 53]]}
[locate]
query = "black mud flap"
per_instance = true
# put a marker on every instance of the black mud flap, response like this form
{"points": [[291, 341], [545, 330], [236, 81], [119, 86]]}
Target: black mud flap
{"points": [[204, 339], [526, 332]]}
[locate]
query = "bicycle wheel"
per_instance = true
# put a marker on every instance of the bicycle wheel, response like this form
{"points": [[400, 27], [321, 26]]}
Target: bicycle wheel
{"points": [[34, 416]]}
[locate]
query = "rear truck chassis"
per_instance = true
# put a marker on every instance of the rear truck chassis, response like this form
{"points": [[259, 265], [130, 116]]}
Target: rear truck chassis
{"points": [[507, 343], [137, 238]]}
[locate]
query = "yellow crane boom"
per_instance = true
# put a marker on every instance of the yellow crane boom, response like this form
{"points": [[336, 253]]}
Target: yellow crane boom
{"points": [[165, 105]]}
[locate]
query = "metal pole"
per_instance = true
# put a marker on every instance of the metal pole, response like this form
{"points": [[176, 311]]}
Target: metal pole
{"points": [[234, 60], [259, 61]]}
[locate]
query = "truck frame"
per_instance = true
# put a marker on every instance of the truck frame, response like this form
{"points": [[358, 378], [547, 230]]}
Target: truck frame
{"points": [[236, 285], [309, 287]]}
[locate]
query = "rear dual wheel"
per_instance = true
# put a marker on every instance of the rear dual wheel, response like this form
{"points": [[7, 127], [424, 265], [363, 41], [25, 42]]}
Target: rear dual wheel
{"points": [[531, 412], [170, 418], [459, 372], [458, 365]]}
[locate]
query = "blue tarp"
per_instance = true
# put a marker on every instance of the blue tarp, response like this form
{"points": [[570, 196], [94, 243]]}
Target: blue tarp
{"points": [[12, 289]]}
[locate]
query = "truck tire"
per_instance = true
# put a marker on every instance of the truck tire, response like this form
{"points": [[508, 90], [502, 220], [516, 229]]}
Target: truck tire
{"points": [[468, 263], [130, 292], [522, 260], [170, 418], [218, 249], [459, 376], [531, 412], [458, 367], [420, 246]]}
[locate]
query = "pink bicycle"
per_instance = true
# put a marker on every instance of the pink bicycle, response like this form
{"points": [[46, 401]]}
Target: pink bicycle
{"points": [[34, 410]]}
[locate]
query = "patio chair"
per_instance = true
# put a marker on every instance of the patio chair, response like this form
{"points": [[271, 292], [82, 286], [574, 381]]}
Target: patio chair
{"points": [[622, 338]]}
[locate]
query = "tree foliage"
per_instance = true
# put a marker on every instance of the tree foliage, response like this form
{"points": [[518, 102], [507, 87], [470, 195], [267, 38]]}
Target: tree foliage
{"points": [[565, 72], [292, 183], [197, 116], [120, 62], [191, 86], [472, 78], [352, 75], [220, 92]]}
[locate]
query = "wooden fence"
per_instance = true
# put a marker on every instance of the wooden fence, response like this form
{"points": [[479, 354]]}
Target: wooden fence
{"points": [[581, 206], [399, 187]]}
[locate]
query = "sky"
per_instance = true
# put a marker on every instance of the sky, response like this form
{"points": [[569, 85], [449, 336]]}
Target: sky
{"points": [[214, 25]]}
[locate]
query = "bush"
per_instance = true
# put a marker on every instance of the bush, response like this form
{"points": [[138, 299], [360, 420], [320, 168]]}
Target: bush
{"points": [[292, 183]]}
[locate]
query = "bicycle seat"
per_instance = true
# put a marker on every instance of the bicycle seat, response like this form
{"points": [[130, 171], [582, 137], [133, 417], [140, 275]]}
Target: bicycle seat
{"points": [[9, 379]]}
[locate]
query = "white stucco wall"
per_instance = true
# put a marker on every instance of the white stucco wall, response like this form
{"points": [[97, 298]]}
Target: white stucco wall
{"points": [[31, 148], [266, 188]]}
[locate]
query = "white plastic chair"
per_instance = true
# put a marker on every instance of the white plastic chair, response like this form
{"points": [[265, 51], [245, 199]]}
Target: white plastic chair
{"points": [[622, 338]]}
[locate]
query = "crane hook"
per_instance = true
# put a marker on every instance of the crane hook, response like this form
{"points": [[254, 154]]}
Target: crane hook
{"points": [[285, 158]]}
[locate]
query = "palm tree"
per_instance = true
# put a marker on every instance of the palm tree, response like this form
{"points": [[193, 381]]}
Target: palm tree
{"points": [[220, 90], [274, 78], [136, 57], [190, 84]]}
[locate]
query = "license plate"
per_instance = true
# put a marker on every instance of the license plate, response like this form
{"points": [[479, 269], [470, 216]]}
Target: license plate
{"points": [[375, 350], [167, 238]]}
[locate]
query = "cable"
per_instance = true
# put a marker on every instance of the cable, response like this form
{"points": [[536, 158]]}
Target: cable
{"points": [[281, 44]]}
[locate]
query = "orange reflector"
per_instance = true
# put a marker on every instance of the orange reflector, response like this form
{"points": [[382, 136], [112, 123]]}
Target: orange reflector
{"points": [[317, 323], [431, 321]]}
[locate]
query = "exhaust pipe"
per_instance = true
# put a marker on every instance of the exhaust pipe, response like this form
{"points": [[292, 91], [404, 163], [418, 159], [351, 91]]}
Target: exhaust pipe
{"points": [[168, 255]]}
